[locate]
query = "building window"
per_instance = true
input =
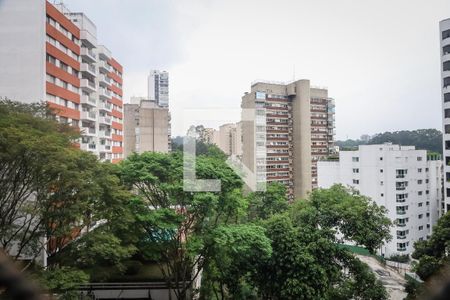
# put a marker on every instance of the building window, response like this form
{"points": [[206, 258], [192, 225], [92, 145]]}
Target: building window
{"points": [[420, 227], [382, 195], [419, 158], [51, 59], [355, 181], [381, 170], [420, 193], [381, 158], [420, 216], [355, 170], [355, 159], [420, 204], [381, 183], [419, 181], [419, 170]]}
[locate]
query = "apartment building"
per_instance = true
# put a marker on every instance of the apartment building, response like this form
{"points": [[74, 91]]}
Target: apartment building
{"points": [[146, 127], [158, 87], [51, 54], [292, 128], [406, 181], [444, 37]]}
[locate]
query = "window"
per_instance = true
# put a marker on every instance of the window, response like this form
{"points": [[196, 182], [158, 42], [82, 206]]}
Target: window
{"points": [[419, 170], [419, 181], [420, 227], [420, 193], [381, 158], [420, 216], [400, 173], [355, 181], [401, 197], [355, 170], [381, 170], [382, 195], [381, 183], [420, 204], [51, 79], [419, 158], [355, 159], [64, 66], [51, 59], [445, 34]]}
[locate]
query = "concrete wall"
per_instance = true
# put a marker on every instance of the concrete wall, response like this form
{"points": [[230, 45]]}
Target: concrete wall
{"points": [[22, 50]]}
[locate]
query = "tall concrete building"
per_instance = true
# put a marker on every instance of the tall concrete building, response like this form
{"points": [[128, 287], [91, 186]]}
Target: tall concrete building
{"points": [[444, 37], [158, 87], [146, 127], [297, 132], [407, 182], [48, 53]]}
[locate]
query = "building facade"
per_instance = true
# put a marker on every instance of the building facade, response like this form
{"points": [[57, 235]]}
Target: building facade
{"points": [[146, 127], [292, 128], [407, 182], [51, 54], [444, 37], [158, 87]]}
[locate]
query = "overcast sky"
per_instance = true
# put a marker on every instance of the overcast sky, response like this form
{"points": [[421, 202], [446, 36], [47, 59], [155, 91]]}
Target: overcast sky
{"points": [[378, 58]]}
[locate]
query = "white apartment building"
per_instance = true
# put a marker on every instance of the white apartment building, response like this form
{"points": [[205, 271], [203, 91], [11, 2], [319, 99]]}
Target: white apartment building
{"points": [[407, 182], [158, 87], [444, 37]]}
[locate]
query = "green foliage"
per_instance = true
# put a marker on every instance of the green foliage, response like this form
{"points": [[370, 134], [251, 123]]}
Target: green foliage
{"points": [[399, 258], [63, 281], [433, 253], [235, 251], [262, 205], [174, 226], [357, 217], [424, 139]]}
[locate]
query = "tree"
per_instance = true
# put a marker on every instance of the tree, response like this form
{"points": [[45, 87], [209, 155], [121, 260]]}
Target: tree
{"points": [[235, 253], [34, 152], [177, 224], [307, 261], [262, 205], [425, 139], [433, 253]]}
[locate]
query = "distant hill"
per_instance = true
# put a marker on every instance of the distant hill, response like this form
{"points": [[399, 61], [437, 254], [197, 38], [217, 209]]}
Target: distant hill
{"points": [[423, 139]]}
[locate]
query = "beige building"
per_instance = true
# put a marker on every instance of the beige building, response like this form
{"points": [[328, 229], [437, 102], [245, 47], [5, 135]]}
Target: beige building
{"points": [[292, 128], [146, 127]]}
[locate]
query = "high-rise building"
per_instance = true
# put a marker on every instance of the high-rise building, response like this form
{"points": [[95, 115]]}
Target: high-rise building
{"points": [[158, 87], [298, 131], [444, 37], [407, 182], [146, 127], [50, 54]]}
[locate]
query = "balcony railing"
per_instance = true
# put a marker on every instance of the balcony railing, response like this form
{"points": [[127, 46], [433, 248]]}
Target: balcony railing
{"points": [[401, 237], [401, 224], [401, 212]]}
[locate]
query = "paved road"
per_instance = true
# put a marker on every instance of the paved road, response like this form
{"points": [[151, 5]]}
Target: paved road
{"points": [[392, 281]]}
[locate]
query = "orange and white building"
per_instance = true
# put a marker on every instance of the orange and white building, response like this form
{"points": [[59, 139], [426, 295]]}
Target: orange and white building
{"points": [[48, 53]]}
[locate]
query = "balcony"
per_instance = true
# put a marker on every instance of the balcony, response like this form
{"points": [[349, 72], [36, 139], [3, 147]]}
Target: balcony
{"points": [[89, 116], [105, 106], [401, 249], [104, 133], [88, 131], [401, 224], [105, 120], [401, 237], [401, 212], [85, 99], [89, 147], [104, 80], [89, 69], [104, 148], [88, 54], [103, 52], [87, 85], [87, 37], [104, 66], [104, 94]]}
